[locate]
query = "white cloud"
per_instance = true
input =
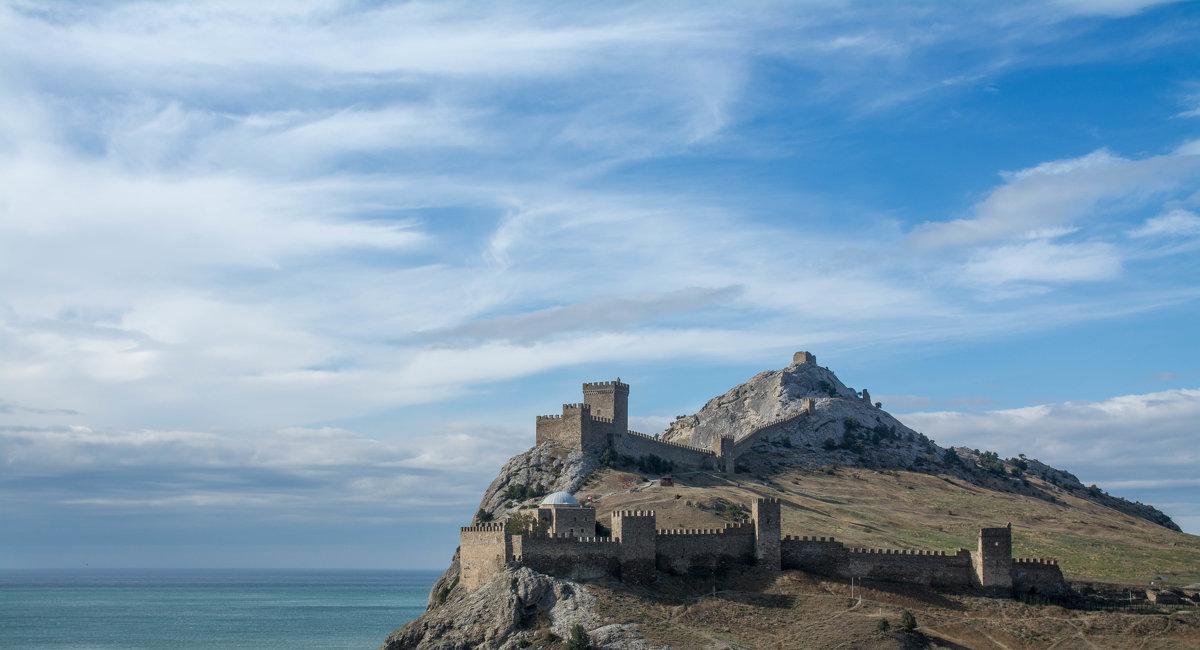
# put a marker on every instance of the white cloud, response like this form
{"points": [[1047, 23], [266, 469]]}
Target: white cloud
{"points": [[1043, 261], [1060, 192], [1174, 223]]}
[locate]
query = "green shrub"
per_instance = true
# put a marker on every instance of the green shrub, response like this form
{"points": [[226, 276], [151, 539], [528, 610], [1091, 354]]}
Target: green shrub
{"points": [[524, 492], [829, 445], [908, 621], [483, 516], [882, 625], [577, 639]]}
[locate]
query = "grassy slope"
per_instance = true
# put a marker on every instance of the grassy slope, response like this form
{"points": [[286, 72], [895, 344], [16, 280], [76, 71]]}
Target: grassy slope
{"points": [[897, 509], [796, 610]]}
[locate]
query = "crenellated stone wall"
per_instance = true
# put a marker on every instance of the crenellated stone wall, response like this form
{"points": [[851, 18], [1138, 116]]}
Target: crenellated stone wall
{"points": [[689, 550], [640, 445], [576, 558], [483, 550], [636, 549]]}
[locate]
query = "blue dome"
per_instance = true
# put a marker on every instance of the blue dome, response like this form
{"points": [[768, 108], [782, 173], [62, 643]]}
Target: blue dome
{"points": [[559, 498]]}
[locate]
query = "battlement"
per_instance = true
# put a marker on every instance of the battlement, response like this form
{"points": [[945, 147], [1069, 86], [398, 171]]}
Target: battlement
{"points": [[767, 500], [577, 406], [660, 441], [484, 528], [605, 385], [645, 514], [898, 551], [1036, 560], [806, 538]]}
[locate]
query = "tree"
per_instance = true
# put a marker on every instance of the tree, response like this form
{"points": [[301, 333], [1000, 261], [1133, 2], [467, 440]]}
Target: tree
{"points": [[951, 457], [483, 516], [578, 639], [522, 523], [829, 445], [908, 621]]}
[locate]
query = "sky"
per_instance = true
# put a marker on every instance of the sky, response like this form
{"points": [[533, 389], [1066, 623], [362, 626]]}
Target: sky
{"points": [[283, 284]]}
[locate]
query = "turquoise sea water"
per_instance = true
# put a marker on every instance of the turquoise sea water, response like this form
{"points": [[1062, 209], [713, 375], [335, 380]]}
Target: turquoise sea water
{"points": [[201, 608]]}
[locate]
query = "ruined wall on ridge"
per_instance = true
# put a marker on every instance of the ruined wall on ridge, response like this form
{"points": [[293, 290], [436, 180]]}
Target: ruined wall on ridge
{"points": [[640, 445]]}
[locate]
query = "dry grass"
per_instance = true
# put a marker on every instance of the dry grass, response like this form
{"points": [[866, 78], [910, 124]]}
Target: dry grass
{"points": [[896, 509], [794, 610]]}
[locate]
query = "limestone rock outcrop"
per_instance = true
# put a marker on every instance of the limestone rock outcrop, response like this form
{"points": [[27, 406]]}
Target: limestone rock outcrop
{"points": [[507, 612]]}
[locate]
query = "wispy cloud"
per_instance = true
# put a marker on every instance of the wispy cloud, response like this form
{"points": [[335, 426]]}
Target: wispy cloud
{"points": [[1062, 192]]}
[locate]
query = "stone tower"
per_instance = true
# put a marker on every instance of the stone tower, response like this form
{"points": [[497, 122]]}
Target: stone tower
{"points": [[636, 531], [726, 462], [609, 399], [993, 562], [766, 532], [804, 357]]}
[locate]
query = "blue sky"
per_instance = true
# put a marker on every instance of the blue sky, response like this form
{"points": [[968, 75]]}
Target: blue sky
{"points": [[283, 283]]}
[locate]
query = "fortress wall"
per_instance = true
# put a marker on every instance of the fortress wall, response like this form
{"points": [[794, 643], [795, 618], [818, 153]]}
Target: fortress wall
{"points": [[1038, 576], [573, 558], [829, 557], [640, 445], [483, 551], [815, 555], [769, 428], [549, 429], [920, 567], [697, 549], [572, 429]]}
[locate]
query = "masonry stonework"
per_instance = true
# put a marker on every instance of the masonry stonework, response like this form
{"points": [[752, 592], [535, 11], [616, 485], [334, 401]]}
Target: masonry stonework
{"points": [[637, 549]]}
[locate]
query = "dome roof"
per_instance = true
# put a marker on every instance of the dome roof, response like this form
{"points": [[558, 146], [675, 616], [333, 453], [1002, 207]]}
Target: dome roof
{"points": [[559, 498]]}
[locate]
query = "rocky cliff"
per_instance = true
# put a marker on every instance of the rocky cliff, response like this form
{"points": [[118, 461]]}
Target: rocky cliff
{"points": [[517, 608]]}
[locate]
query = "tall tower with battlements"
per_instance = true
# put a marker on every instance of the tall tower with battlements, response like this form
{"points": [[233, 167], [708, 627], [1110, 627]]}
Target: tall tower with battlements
{"points": [[609, 399]]}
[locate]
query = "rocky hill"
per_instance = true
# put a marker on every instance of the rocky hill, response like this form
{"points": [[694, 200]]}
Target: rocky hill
{"points": [[848, 470], [849, 430]]}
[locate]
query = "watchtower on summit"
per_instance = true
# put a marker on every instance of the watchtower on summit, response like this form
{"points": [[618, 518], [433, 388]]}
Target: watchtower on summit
{"points": [[592, 425], [609, 400]]}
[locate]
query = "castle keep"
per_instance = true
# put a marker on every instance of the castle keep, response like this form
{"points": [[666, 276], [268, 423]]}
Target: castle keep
{"points": [[564, 544], [602, 422]]}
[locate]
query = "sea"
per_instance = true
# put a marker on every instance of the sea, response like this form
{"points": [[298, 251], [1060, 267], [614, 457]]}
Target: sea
{"points": [[206, 608]]}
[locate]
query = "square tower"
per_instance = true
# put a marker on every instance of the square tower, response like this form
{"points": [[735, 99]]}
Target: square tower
{"points": [[767, 528], [609, 399], [993, 562], [636, 530]]}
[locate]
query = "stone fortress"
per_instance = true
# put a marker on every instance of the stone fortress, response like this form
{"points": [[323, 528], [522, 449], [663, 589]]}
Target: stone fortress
{"points": [[565, 543]]}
